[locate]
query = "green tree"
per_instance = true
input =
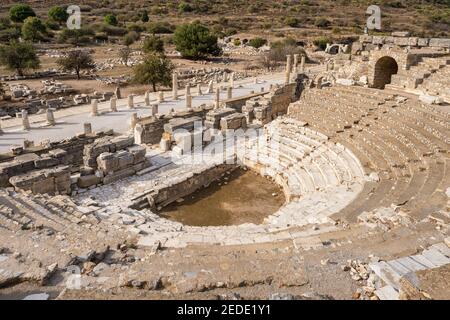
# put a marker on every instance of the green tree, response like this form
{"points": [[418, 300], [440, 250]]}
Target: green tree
{"points": [[153, 44], [155, 70], [76, 61], [33, 29], [19, 57], [194, 41], [58, 14], [111, 20], [20, 12]]}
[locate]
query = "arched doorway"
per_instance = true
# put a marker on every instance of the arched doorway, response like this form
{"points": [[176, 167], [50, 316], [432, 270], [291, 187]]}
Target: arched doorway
{"points": [[384, 69]]}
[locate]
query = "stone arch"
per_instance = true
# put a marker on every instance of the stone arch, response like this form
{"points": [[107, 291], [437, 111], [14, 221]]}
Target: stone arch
{"points": [[385, 67]]}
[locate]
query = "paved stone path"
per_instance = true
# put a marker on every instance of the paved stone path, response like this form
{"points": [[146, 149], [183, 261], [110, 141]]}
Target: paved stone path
{"points": [[70, 121]]}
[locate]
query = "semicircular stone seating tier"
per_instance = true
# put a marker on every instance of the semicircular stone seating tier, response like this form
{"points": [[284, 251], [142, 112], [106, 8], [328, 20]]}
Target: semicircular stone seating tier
{"points": [[400, 139], [319, 178]]}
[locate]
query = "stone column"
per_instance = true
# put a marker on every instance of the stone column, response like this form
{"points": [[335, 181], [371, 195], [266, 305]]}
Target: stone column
{"points": [[229, 92], [216, 78], [232, 80], [217, 102], [256, 80], [130, 104], [133, 121], [287, 79], [211, 87], [154, 109], [225, 77], [302, 64], [199, 90], [138, 129], [87, 128], [50, 117], [188, 101], [118, 93], [161, 96], [147, 98], [288, 63], [294, 68], [94, 108], [175, 86], [113, 104], [188, 90], [1, 131]]}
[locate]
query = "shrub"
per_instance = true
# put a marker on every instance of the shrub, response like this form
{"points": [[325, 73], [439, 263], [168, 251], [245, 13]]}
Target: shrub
{"points": [[322, 23], [322, 42], [33, 29], [153, 44], [185, 7], [111, 20], [292, 22], [20, 12], [76, 36], [58, 14], [160, 28], [257, 42]]}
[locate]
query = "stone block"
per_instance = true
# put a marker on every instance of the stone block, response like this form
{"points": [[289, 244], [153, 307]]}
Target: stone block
{"points": [[88, 181], [44, 186], [125, 158], [423, 42], [413, 41], [138, 153], [107, 162], [118, 175], [122, 142], [401, 41], [439, 42], [45, 162], [233, 122]]}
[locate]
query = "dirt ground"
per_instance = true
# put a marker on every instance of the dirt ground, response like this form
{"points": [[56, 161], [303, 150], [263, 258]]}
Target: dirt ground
{"points": [[242, 197]]}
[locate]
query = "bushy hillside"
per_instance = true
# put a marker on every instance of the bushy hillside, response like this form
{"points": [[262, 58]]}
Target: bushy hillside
{"points": [[421, 17]]}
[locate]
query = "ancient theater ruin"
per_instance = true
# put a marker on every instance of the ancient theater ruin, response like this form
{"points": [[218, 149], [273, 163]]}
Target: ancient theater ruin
{"points": [[324, 180]]}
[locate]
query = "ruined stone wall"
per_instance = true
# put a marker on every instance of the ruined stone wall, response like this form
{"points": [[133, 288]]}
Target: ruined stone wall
{"points": [[406, 41], [152, 128], [73, 146], [238, 103], [281, 98], [84, 162], [164, 195]]}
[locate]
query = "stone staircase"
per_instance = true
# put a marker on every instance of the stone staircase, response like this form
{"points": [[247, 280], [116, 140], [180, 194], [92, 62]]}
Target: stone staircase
{"points": [[429, 75], [393, 270]]}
